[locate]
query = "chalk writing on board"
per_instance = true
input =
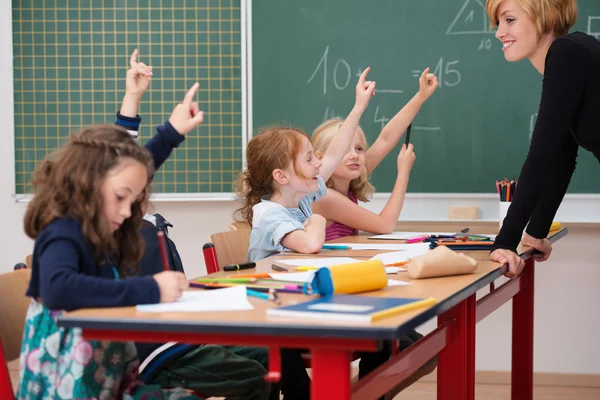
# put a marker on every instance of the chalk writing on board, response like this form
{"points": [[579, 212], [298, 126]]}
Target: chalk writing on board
{"points": [[380, 118], [485, 44], [470, 20], [341, 74], [593, 26], [447, 75]]}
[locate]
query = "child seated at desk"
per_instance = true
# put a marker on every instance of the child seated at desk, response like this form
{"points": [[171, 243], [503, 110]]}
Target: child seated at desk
{"points": [[84, 217], [283, 178], [234, 372], [349, 183]]}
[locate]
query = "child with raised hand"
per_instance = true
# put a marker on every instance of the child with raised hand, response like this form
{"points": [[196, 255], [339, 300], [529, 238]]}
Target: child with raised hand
{"points": [[284, 177], [350, 181], [84, 217], [234, 372], [172, 133]]}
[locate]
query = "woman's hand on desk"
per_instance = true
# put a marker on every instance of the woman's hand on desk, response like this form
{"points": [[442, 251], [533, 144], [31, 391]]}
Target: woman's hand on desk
{"points": [[542, 245], [515, 263]]}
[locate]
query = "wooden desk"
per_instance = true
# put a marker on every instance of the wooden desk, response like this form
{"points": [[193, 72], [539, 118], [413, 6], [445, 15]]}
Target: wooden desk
{"points": [[331, 344]]}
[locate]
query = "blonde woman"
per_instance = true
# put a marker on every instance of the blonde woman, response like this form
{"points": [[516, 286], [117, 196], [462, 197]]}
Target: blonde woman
{"points": [[568, 116]]}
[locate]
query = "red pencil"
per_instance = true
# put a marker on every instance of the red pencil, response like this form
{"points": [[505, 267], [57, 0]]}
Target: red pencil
{"points": [[163, 249]]}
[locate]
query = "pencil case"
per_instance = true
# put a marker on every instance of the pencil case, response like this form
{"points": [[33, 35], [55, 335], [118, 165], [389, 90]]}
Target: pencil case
{"points": [[441, 261], [363, 276]]}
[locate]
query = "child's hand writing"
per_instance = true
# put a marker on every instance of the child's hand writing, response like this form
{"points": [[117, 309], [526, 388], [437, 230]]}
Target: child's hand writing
{"points": [[364, 90], [187, 115], [171, 285], [138, 76], [427, 84], [406, 159]]}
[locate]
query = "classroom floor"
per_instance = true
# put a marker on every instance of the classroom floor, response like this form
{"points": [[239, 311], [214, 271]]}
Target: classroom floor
{"points": [[427, 391]]}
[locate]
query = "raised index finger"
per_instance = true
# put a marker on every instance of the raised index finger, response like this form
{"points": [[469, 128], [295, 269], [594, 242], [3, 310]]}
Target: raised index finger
{"points": [[133, 59], [189, 96], [363, 76]]}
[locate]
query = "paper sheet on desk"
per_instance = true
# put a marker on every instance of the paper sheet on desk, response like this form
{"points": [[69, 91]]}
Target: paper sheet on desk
{"points": [[411, 251], [228, 299], [376, 246], [407, 235], [317, 262]]}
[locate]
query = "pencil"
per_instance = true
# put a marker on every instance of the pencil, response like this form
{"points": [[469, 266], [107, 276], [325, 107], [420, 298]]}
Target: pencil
{"points": [[407, 141], [258, 276], [163, 250], [402, 309]]}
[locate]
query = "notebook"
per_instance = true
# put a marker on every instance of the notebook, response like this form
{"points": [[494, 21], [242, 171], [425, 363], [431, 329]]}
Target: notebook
{"points": [[350, 308]]}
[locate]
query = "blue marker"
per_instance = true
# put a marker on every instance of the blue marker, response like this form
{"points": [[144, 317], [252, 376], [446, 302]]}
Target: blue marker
{"points": [[335, 247]]}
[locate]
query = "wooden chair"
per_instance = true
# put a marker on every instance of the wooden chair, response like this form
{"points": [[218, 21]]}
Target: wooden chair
{"points": [[237, 225], [13, 309], [231, 246]]}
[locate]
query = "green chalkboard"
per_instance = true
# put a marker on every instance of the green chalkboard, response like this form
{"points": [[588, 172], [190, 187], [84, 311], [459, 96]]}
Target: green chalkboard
{"points": [[70, 59], [475, 129]]}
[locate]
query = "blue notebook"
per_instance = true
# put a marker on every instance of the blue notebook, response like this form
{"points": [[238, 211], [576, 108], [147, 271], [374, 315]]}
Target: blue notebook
{"points": [[351, 308]]}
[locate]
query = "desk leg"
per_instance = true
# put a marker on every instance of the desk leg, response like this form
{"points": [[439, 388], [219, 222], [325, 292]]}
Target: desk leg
{"points": [[522, 336], [456, 362], [330, 374]]}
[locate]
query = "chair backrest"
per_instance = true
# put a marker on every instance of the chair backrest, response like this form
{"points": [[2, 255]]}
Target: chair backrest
{"points": [[231, 246], [13, 309], [237, 225]]}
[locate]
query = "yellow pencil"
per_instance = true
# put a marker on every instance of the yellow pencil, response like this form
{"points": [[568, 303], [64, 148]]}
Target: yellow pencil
{"points": [[402, 309]]}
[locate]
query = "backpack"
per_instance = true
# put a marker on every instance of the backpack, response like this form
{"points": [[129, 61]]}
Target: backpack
{"points": [[151, 262]]}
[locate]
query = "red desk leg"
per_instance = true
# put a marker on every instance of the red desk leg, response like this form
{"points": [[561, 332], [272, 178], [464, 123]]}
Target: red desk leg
{"points": [[522, 336], [456, 362], [330, 374]]}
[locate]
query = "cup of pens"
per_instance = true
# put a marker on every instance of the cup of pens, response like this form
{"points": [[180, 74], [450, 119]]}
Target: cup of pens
{"points": [[506, 191]]}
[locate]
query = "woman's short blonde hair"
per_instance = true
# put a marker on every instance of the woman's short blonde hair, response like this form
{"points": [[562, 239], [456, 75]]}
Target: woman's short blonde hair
{"points": [[549, 16], [321, 138]]}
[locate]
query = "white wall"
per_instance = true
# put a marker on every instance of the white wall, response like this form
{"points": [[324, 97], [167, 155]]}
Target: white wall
{"points": [[566, 319]]}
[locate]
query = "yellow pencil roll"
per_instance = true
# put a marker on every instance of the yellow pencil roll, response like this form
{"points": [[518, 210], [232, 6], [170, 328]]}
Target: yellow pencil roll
{"points": [[363, 276]]}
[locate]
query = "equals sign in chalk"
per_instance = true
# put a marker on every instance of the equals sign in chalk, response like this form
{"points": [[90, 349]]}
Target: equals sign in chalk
{"points": [[416, 73]]}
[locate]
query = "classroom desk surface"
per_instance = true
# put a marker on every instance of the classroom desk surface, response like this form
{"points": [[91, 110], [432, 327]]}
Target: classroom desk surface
{"points": [[331, 344], [447, 291]]}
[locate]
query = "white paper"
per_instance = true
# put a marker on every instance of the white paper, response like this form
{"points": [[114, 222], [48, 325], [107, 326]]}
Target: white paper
{"points": [[413, 250], [394, 282], [408, 235], [317, 262], [228, 299], [377, 246], [394, 270], [300, 277]]}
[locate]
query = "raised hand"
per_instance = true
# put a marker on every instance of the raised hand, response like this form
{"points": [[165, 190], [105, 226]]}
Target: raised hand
{"points": [[364, 90], [138, 76], [187, 114], [428, 83]]}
